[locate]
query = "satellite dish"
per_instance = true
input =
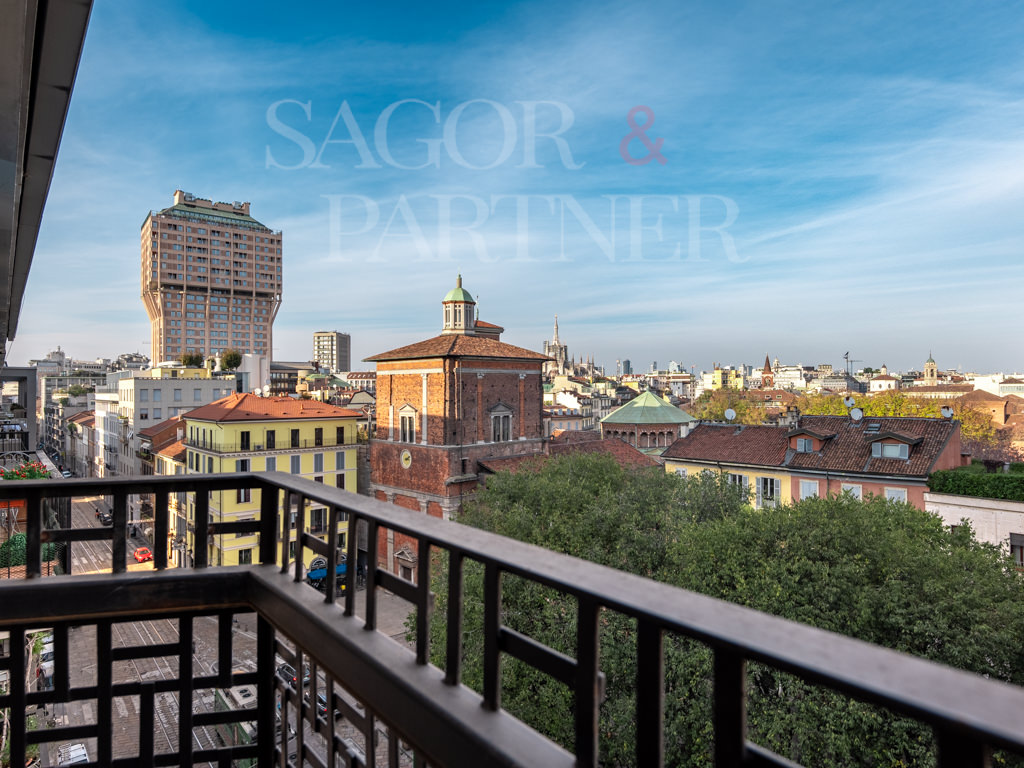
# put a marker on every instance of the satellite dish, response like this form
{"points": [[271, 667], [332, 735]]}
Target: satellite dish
{"points": [[849, 401], [730, 414], [856, 414], [266, 389], [947, 412]]}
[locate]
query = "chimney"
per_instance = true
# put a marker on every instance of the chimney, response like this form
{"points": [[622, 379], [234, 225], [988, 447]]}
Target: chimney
{"points": [[790, 418]]}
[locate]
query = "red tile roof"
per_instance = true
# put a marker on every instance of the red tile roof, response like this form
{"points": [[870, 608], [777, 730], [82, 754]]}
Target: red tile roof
{"points": [[849, 451], [175, 451], [156, 429], [736, 444], [940, 388], [458, 345], [246, 406], [485, 324]]}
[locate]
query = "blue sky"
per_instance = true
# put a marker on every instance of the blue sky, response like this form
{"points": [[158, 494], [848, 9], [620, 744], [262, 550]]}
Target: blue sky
{"points": [[866, 162]]}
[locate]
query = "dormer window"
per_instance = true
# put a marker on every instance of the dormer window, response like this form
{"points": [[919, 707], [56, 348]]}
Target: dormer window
{"points": [[890, 450], [804, 445]]}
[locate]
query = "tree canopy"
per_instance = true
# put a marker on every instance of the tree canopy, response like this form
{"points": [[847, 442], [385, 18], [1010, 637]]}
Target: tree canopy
{"points": [[881, 571], [191, 359], [712, 405], [974, 425], [230, 359]]}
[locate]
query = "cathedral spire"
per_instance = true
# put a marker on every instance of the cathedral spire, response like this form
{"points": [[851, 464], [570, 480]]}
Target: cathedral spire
{"points": [[555, 339]]}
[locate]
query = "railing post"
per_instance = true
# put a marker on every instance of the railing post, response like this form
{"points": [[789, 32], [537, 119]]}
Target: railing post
{"points": [[650, 694], [730, 707], [265, 693], [202, 534], [119, 548], [453, 639], [492, 628], [33, 538], [422, 601], [161, 531], [587, 681], [185, 640], [959, 751], [270, 498]]}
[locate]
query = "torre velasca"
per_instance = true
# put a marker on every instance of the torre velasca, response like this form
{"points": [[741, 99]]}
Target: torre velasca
{"points": [[211, 279]]}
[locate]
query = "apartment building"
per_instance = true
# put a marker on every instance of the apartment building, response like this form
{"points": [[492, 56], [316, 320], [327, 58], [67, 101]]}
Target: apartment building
{"points": [[332, 350], [247, 433], [211, 279]]}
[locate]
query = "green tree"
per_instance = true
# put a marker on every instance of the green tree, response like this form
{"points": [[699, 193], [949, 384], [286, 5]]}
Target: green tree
{"points": [[712, 405], [230, 359], [191, 359], [881, 571]]}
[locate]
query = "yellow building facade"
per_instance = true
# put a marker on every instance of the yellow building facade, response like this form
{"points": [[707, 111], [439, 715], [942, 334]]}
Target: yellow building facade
{"points": [[767, 488], [246, 433]]}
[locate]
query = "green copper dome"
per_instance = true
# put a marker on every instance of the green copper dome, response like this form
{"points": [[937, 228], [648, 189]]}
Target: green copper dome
{"points": [[458, 293]]}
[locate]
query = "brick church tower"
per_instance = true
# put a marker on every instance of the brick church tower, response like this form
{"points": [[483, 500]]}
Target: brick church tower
{"points": [[443, 405]]}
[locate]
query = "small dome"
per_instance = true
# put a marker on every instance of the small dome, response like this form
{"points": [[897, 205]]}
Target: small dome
{"points": [[458, 293]]}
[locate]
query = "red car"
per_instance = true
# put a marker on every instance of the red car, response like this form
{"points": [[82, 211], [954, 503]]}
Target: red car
{"points": [[142, 554]]}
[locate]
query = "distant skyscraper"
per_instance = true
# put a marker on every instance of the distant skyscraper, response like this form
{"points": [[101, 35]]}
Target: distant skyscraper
{"points": [[627, 368], [333, 350], [211, 279]]}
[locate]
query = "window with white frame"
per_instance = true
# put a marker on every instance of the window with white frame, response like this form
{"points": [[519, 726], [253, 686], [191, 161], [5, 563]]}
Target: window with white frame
{"points": [[339, 460], [408, 425], [296, 465], [769, 489], [271, 463], [853, 489], [318, 462], [808, 489], [890, 450], [896, 494], [681, 471], [804, 445]]}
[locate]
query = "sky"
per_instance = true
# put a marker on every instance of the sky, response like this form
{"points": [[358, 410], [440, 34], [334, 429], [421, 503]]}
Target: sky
{"points": [[701, 182]]}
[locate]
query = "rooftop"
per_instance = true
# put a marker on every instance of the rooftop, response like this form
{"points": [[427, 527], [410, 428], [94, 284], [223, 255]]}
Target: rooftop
{"points": [[245, 406]]}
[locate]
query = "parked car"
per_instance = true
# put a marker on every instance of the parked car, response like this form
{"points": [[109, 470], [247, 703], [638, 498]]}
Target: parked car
{"points": [[68, 473], [142, 554], [106, 518], [287, 673]]}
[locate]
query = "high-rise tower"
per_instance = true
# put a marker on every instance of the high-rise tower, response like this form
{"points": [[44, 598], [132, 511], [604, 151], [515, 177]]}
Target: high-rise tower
{"points": [[332, 350], [211, 279]]}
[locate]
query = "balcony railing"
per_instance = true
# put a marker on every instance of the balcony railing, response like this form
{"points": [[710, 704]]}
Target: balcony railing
{"points": [[254, 446], [391, 706]]}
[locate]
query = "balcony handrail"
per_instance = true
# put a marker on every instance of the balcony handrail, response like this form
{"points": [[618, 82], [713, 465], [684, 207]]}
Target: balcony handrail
{"points": [[259, 446], [969, 713]]}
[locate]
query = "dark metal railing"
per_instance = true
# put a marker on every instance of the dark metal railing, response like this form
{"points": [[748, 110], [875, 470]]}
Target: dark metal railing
{"points": [[369, 680]]}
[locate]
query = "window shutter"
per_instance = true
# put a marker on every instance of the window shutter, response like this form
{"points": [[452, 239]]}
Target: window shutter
{"points": [[1017, 539]]}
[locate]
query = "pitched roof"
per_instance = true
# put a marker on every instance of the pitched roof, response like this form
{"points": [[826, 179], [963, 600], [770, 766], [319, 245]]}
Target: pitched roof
{"points": [[648, 408], [736, 444], [175, 451], [940, 388], [245, 406], [485, 324], [458, 345], [848, 451], [981, 396], [159, 427]]}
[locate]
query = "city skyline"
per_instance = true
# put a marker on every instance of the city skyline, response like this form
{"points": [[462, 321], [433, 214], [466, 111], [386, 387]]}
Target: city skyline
{"points": [[873, 177]]}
